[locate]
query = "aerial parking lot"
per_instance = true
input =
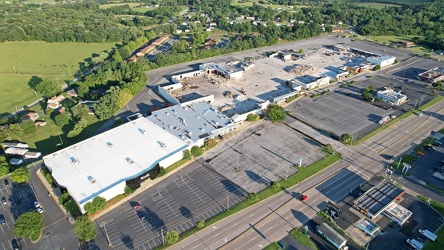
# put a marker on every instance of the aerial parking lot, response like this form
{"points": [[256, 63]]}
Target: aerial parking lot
{"points": [[177, 203], [262, 153]]}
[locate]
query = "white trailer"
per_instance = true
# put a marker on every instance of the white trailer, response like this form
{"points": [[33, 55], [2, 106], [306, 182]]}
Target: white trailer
{"points": [[415, 244], [431, 236]]}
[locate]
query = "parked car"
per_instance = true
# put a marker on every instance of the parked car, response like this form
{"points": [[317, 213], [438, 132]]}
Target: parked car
{"points": [[15, 245], [137, 205], [2, 219], [36, 204], [436, 143], [39, 210], [3, 200], [429, 148]]}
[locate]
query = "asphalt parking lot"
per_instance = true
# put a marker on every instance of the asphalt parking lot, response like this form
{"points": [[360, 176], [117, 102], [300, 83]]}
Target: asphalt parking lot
{"points": [[262, 153], [424, 217], [19, 198], [342, 112], [177, 203], [423, 166]]}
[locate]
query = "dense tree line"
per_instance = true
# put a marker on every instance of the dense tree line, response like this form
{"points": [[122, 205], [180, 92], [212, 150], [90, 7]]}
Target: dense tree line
{"points": [[79, 22]]}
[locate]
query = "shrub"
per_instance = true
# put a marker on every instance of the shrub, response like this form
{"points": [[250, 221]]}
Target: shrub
{"points": [[252, 117], [210, 143], [200, 224], [276, 113], [63, 198], [95, 205], [129, 190], [172, 237], [186, 154], [252, 197], [346, 139], [196, 151], [377, 67]]}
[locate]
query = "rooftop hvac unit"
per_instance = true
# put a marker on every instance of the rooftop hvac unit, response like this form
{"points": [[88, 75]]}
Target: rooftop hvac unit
{"points": [[129, 160], [74, 161], [142, 131], [110, 145]]}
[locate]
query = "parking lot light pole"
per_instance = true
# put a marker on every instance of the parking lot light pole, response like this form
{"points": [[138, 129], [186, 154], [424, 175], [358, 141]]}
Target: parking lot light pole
{"points": [[103, 224]]}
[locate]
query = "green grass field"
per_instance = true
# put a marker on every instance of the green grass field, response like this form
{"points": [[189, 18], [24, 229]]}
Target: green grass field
{"points": [[415, 49], [22, 60]]}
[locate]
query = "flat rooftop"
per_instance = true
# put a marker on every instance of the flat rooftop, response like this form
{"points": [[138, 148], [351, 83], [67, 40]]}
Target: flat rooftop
{"points": [[190, 120], [433, 73], [267, 80], [392, 93], [95, 165], [398, 211], [377, 198]]}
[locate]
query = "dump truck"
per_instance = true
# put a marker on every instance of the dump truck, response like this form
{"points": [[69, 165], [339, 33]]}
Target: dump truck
{"points": [[431, 236], [415, 244]]}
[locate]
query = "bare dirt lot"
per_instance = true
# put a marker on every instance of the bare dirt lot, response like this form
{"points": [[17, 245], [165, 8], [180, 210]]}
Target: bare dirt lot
{"points": [[262, 153]]}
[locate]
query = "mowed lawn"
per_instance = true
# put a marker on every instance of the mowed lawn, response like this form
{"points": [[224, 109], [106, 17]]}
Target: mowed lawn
{"points": [[20, 61], [42, 58]]}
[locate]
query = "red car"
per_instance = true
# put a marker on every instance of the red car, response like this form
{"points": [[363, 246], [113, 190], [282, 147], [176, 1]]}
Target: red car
{"points": [[303, 198], [136, 206]]}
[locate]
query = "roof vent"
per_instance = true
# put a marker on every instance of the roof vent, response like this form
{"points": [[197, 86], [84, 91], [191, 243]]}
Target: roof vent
{"points": [[110, 145], [163, 145], [74, 161], [76, 147], [129, 160], [166, 113], [91, 180], [142, 131], [55, 155]]}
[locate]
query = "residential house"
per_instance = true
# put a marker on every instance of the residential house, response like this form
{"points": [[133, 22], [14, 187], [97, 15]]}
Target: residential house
{"points": [[210, 41], [31, 116], [73, 92], [55, 101], [337, 29]]}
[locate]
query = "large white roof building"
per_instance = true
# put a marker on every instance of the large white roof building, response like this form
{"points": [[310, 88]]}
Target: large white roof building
{"points": [[103, 165], [193, 120]]}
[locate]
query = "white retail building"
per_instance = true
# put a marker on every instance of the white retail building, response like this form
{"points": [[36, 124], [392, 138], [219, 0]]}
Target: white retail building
{"points": [[104, 164], [382, 61]]}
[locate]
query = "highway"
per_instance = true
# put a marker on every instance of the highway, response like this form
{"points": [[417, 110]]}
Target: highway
{"points": [[271, 219]]}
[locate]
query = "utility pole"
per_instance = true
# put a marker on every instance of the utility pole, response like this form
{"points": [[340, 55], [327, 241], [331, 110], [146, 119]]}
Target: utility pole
{"points": [[228, 204], [420, 101], [163, 239]]}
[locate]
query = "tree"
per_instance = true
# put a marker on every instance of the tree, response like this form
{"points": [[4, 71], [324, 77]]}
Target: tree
{"points": [[117, 57], [367, 96], [200, 224], [78, 128], [329, 148], [63, 198], [47, 88], [62, 120], [28, 225], [95, 205], [124, 97], [346, 139], [85, 229], [186, 154], [276, 113], [172, 237], [28, 127], [275, 185], [20, 175], [377, 67], [196, 151]]}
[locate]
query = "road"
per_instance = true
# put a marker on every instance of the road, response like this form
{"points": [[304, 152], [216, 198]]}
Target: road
{"points": [[270, 220]]}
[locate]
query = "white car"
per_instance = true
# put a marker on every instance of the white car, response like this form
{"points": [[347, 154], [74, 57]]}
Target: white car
{"points": [[39, 210], [36, 204]]}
